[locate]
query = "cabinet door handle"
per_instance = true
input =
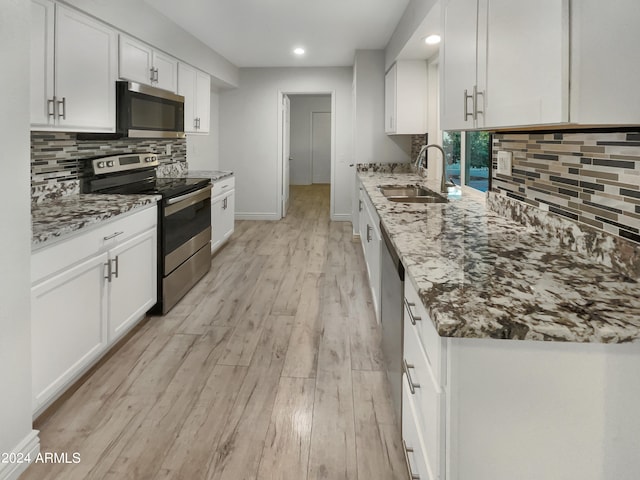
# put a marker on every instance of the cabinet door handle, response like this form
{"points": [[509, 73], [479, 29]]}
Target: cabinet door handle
{"points": [[113, 235], [107, 275], [466, 105], [407, 451], [51, 107], [157, 75], [359, 205], [62, 103], [369, 233], [412, 317], [475, 102], [115, 262], [406, 367], [224, 203]]}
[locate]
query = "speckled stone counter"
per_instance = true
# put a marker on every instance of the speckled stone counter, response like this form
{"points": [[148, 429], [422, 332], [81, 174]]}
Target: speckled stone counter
{"points": [[214, 175], [58, 218], [481, 275]]}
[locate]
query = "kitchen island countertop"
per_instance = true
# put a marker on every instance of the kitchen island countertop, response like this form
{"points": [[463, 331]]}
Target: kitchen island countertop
{"points": [[481, 275], [55, 219]]}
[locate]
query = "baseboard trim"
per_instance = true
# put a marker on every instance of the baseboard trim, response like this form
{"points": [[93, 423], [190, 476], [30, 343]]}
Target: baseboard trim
{"points": [[341, 217], [256, 216], [28, 447]]}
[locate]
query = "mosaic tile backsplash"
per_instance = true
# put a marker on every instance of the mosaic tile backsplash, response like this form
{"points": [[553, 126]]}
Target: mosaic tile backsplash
{"points": [[56, 157], [590, 178]]}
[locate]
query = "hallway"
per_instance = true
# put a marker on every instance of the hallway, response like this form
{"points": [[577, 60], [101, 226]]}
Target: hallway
{"points": [[270, 368]]}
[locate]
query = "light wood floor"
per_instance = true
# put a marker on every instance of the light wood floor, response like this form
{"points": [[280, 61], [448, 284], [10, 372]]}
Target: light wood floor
{"points": [[269, 369]]}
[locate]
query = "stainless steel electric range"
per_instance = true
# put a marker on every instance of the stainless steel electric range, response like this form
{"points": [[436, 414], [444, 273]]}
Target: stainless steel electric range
{"points": [[184, 218]]}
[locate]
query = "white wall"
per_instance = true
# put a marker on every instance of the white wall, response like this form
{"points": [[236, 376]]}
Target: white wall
{"points": [[301, 108], [249, 135], [142, 21], [411, 19], [15, 242], [203, 152], [372, 144]]}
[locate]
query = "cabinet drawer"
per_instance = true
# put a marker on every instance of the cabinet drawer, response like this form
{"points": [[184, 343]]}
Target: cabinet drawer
{"points": [[427, 396], [412, 441], [90, 241], [222, 186], [417, 315]]}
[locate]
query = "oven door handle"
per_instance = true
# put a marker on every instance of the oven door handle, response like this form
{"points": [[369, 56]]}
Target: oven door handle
{"points": [[176, 204]]}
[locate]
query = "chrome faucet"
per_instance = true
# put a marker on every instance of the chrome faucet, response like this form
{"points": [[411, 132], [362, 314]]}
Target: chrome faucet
{"points": [[443, 183]]}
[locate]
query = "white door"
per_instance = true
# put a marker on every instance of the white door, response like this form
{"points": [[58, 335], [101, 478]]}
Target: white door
{"points": [[203, 101], [66, 336], [187, 88], [286, 152], [321, 147], [166, 72], [458, 63], [133, 281], [42, 21], [136, 61], [84, 72]]}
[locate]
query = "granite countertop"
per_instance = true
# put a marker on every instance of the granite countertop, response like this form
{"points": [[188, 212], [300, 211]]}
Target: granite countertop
{"points": [[214, 175], [54, 219], [481, 275]]}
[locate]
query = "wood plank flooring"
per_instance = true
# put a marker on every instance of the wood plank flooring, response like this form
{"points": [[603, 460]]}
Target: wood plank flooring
{"points": [[270, 368]]}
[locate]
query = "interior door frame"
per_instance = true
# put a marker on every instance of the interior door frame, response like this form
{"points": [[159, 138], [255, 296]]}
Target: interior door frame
{"points": [[280, 170]]}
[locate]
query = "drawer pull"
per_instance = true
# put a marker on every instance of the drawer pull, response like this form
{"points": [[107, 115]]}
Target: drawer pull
{"points": [[407, 451], [412, 317], [113, 235], [412, 386]]}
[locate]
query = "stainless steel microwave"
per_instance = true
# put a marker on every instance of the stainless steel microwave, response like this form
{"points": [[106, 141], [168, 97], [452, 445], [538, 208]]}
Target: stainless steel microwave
{"points": [[148, 112]]}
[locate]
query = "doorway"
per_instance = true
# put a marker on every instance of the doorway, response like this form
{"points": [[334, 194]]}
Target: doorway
{"points": [[307, 148]]}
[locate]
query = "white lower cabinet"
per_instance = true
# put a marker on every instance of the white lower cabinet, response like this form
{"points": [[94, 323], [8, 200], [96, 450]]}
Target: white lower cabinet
{"points": [[133, 286], [371, 243], [222, 212], [87, 291], [489, 409], [68, 326]]}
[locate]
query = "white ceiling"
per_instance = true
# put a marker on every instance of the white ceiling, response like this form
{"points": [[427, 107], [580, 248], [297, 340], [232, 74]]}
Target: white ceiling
{"points": [[263, 33]]}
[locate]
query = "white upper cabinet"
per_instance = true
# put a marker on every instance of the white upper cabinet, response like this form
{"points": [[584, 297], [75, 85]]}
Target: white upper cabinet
{"points": [[195, 86], [458, 59], [513, 63], [73, 60], [406, 98], [42, 26], [605, 71], [140, 63], [505, 63]]}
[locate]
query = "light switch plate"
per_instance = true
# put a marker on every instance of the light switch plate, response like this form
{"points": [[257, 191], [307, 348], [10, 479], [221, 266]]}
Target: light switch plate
{"points": [[505, 160]]}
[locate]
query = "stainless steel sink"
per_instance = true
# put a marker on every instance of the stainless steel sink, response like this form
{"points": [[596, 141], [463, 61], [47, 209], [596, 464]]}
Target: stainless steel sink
{"points": [[406, 191], [411, 194], [436, 199]]}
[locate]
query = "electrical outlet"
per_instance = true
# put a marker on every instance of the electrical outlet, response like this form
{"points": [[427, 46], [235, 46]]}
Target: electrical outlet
{"points": [[505, 161], [167, 149]]}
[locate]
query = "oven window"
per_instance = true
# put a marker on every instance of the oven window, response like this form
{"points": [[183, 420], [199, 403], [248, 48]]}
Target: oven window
{"points": [[152, 114], [181, 226]]}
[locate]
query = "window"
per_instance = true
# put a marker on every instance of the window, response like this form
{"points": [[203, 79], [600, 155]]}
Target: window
{"points": [[468, 158]]}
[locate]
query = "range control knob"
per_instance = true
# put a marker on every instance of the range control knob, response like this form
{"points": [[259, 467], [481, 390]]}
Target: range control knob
{"points": [[109, 163], [100, 164], [148, 159]]}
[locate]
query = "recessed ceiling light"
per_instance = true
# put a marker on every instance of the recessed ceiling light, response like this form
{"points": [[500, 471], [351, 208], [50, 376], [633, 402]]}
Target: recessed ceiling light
{"points": [[298, 51], [432, 39]]}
